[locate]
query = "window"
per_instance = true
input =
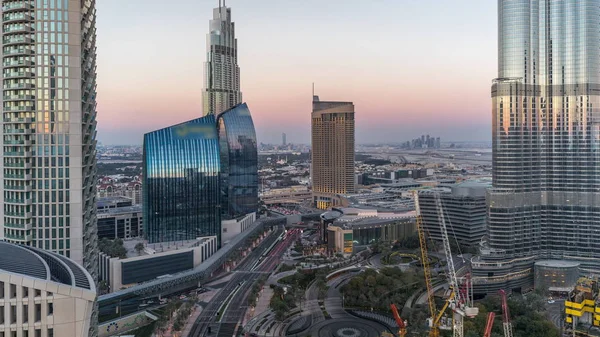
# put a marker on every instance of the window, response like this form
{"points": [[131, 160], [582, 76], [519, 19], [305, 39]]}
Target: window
{"points": [[25, 313], [13, 314], [13, 291], [25, 292], [50, 308], [38, 313]]}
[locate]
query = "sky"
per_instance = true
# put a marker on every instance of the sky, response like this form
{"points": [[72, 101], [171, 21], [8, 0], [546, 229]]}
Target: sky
{"points": [[411, 67]]}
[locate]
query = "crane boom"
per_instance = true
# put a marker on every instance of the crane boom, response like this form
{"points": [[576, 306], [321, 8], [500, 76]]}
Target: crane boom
{"points": [[506, 324], [399, 321], [489, 324], [434, 330]]}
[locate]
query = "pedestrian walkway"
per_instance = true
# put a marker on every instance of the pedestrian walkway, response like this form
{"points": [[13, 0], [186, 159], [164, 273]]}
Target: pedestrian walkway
{"points": [[191, 320]]}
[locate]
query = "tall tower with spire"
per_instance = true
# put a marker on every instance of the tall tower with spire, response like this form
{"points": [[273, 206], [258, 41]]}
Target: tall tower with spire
{"points": [[221, 71]]}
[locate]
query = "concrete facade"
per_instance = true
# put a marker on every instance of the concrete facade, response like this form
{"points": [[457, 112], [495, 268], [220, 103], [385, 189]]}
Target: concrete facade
{"points": [[332, 155], [43, 294], [231, 228], [114, 270]]}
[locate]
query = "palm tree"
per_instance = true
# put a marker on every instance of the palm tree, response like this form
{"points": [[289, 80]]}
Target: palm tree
{"points": [[139, 248]]}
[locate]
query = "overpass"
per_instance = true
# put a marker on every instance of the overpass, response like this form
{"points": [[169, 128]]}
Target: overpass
{"points": [[127, 301]]}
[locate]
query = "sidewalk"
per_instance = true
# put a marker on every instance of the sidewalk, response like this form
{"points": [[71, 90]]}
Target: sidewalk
{"points": [[191, 320], [262, 305]]}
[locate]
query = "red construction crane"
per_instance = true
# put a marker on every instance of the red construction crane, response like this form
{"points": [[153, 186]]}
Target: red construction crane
{"points": [[399, 321], [489, 324], [506, 324]]}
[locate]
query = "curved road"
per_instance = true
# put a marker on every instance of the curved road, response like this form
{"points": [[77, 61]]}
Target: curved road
{"points": [[231, 301]]}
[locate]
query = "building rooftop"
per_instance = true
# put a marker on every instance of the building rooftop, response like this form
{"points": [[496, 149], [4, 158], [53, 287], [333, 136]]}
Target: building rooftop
{"points": [[161, 247], [364, 217], [119, 210], [44, 265], [108, 201]]}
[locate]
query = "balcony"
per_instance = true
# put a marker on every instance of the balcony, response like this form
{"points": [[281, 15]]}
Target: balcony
{"points": [[15, 6], [18, 225], [18, 108], [18, 176], [18, 131], [18, 120], [23, 166], [18, 29], [18, 215], [18, 74], [17, 39], [18, 142], [25, 202], [15, 237], [16, 154], [19, 63], [15, 86], [17, 17], [18, 98], [21, 188]]}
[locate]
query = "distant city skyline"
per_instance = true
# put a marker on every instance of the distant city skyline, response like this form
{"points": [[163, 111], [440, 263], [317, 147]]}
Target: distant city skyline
{"points": [[455, 65]]}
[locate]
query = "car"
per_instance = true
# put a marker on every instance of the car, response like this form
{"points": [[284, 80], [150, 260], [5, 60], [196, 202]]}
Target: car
{"points": [[551, 301], [182, 297]]}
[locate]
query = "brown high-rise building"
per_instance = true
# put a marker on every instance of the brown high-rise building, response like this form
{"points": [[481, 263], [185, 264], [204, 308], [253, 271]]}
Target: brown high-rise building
{"points": [[332, 151]]}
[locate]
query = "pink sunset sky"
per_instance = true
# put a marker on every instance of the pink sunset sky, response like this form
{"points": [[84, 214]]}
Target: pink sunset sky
{"points": [[411, 67]]}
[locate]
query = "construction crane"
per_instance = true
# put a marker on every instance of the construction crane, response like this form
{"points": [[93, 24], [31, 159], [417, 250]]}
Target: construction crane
{"points": [[489, 324], [506, 324], [399, 321], [434, 330], [460, 303]]}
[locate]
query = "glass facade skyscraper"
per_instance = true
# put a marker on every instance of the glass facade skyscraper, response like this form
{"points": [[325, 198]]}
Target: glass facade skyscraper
{"points": [[181, 185], [49, 127], [239, 162], [545, 201], [197, 173], [221, 71]]}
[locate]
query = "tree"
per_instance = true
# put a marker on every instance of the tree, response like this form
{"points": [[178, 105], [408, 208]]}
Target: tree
{"points": [[139, 248]]}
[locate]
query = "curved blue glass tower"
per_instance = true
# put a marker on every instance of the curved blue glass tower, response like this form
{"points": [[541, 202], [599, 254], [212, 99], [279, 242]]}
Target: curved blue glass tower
{"points": [[181, 182], [239, 162]]}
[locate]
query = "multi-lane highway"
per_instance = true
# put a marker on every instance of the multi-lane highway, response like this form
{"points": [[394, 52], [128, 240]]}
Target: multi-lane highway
{"points": [[225, 311]]}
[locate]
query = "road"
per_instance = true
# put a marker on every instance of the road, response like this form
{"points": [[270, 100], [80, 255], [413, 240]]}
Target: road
{"points": [[231, 300]]}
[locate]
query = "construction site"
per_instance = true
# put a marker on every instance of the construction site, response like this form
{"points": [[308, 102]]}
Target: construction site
{"points": [[582, 309]]}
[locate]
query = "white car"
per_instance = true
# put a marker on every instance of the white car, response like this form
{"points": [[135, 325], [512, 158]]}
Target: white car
{"points": [[551, 301]]}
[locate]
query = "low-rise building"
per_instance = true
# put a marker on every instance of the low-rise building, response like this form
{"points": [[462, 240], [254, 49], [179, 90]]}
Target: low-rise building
{"points": [[43, 294], [120, 222], [368, 225], [155, 260], [231, 228]]}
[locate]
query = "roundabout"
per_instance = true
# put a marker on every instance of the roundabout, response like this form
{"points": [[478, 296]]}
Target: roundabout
{"points": [[347, 327]]}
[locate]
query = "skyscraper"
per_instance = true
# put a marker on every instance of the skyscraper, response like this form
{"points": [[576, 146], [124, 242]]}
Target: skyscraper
{"points": [[197, 173], [239, 162], [221, 71], [181, 185], [283, 139], [49, 127], [545, 201], [332, 151]]}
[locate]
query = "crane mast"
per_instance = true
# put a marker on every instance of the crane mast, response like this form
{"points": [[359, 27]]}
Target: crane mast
{"points": [[506, 324], [489, 324], [460, 304], [434, 330], [399, 321]]}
